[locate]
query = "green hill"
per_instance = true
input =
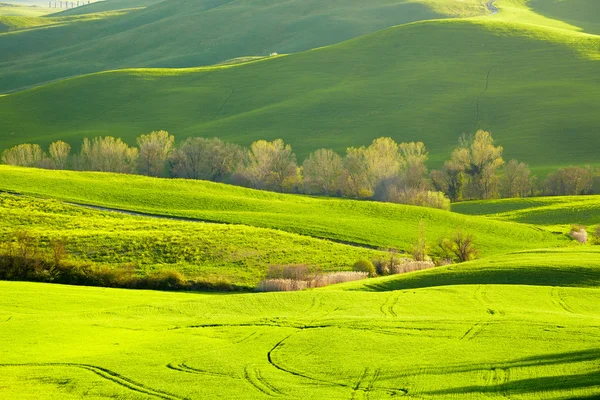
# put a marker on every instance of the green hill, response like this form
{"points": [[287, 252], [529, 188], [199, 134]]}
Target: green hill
{"points": [[475, 341], [186, 33], [107, 5], [557, 213], [427, 81], [233, 254], [580, 13], [361, 222], [572, 267]]}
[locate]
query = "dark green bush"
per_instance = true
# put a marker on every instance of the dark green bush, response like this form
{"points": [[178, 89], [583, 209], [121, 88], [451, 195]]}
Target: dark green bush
{"points": [[365, 266]]}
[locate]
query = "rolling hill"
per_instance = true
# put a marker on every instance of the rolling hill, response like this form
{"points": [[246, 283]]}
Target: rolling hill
{"points": [[428, 81], [186, 33], [359, 222]]}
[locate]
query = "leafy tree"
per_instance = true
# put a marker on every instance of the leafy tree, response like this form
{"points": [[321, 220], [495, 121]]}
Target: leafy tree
{"points": [[355, 178], [23, 155], [59, 154], [383, 161], [480, 160], [450, 179], [107, 154], [154, 149], [321, 171], [414, 156], [269, 165]]}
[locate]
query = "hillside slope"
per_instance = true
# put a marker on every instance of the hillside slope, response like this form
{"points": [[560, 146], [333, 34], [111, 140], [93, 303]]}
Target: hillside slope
{"points": [[457, 342], [362, 222], [185, 33], [429, 82]]}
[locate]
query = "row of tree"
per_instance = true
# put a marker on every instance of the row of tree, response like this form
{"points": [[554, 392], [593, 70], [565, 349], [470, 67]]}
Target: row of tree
{"points": [[384, 171]]}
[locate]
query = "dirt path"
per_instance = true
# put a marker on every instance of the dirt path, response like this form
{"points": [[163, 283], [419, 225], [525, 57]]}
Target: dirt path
{"points": [[492, 7]]}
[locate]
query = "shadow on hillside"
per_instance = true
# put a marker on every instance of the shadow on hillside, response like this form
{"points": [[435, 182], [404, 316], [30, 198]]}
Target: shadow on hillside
{"points": [[535, 276], [588, 380]]}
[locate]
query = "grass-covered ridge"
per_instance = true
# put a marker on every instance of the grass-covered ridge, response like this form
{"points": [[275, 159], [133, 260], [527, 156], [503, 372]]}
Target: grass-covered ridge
{"points": [[181, 33], [552, 212], [571, 267], [233, 254], [362, 222], [476, 74], [477, 341]]}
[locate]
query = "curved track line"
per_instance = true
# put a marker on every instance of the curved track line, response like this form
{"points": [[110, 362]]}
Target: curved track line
{"points": [[183, 367], [253, 377], [558, 298], [108, 375]]}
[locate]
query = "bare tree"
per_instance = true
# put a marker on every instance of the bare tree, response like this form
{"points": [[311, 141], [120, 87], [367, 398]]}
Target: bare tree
{"points": [[107, 154], [269, 165], [414, 156], [517, 180], [59, 154], [23, 155], [201, 158], [570, 181], [480, 160], [355, 180], [154, 149], [322, 170]]}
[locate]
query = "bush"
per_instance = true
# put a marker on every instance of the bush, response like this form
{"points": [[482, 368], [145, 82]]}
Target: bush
{"points": [[596, 235], [365, 266], [579, 233], [298, 272], [460, 247]]}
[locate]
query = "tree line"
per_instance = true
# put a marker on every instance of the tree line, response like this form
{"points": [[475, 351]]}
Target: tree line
{"points": [[383, 171]]}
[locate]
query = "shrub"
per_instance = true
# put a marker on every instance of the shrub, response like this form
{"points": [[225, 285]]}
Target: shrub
{"points": [[281, 285], [365, 266], [298, 272], [411, 266], [419, 251], [334, 278], [596, 235], [579, 233], [460, 247]]}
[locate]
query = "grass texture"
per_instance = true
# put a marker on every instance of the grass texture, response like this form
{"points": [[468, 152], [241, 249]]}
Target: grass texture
{"points": [[557, 213], [428, 81], [454, 342], [234, 254], [361, 222]]}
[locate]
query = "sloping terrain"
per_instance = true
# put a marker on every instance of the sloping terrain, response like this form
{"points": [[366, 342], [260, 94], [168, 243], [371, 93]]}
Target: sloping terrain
{"points": [[360, 222], [232, 254], [551, 212], [454, 342], [185, 33], [429, 82]]}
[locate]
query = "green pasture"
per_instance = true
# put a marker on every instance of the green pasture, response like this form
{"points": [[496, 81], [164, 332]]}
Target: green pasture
{"points": [[429, 81], [361, 222], [557, 213], [183, 33], [20, 11], [234, 254], [571, 267], [454, 342]]}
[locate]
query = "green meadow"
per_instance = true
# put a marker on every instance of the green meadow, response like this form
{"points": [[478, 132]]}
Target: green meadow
{"points": [[554, 213], [233, 254], [452, 342], [520, 321], [454, 79], [359, 222]]}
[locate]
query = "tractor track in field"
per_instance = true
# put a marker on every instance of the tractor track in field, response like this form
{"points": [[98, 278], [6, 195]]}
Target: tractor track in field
{"points": [[224, 103], [477, 105], [387, 308], [183, 367], [107, 375], [558, 298], [258, 382]]}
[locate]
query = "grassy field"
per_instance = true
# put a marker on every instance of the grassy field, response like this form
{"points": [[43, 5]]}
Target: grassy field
{"points": [[16, 11], [182, 33], [453, 342], [572, 267], [555, 213], [477, 73], [362, 222], [234, 254]]}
